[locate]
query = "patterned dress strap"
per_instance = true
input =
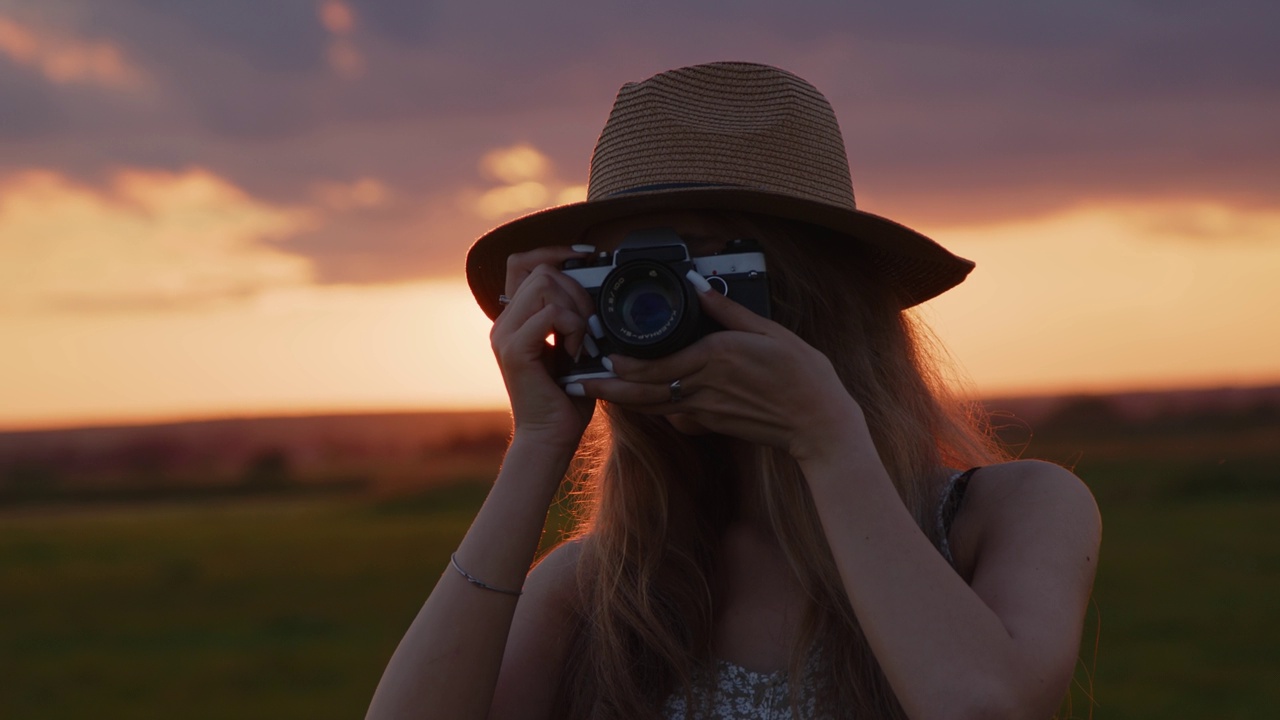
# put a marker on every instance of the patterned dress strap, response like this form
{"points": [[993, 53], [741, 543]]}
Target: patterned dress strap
{"points": [[948, 506]]}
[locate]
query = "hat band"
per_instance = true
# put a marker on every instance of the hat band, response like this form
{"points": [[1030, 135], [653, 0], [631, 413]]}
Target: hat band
{"points": [[659, 187]]}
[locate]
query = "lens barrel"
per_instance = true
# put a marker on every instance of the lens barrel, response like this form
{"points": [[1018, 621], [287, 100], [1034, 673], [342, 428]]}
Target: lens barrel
{"points": [[648, 308]]}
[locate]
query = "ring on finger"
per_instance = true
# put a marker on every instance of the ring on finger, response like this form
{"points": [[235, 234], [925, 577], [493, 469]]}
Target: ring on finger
{"points": [[676, 391], [504, 300]]}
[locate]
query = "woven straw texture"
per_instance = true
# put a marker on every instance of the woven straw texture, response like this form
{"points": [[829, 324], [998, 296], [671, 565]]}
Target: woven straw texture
{"points": [[724, 136]]}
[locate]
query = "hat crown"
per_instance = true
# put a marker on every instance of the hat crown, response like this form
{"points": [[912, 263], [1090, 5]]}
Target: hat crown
{"points": [[727, 124]]}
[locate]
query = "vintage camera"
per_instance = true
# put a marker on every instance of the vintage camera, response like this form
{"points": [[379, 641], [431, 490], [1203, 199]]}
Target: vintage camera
{"points": [[646, 305]]}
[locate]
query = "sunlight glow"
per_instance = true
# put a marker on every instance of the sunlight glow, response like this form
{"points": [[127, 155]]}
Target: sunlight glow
{"points": [[303, 349], [1101, 297], [1116, 296]]}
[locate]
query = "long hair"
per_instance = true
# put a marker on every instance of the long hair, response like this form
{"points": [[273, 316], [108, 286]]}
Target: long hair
{"points": [[654, 502]]}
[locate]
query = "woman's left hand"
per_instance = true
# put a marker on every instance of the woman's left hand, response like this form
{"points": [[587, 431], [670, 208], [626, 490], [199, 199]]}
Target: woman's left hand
{"points": [[755, 380]]}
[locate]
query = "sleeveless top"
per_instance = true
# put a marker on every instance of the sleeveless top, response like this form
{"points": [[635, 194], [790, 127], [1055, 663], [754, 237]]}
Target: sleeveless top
{"points": [[741, 694]]}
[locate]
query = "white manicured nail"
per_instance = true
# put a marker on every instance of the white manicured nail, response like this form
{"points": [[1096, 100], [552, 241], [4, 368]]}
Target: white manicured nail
{"points": [[593, 324], [592, 349], [583, 248], [699, 282], [607, 363], [575, 390]]}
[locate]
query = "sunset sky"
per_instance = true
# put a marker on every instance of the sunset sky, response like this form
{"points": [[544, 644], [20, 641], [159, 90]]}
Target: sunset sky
{"points": [[262, 206]]}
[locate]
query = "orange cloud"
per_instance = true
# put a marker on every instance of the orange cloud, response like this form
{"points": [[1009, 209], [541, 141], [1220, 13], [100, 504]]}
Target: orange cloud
{"points": [[340, 20], [64, 59], [528, 183], [358, 195], [337, 17], [515, 164], [153, 239]]}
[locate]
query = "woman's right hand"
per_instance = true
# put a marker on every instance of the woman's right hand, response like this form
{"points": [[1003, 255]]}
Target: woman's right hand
{"points": [[543, 301]]}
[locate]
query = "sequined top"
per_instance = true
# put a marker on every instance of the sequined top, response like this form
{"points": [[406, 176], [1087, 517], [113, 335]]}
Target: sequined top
{"points": [[741, 693], [737, 693]]}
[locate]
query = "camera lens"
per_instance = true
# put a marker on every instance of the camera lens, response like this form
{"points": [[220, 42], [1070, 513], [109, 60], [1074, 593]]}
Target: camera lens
{"points": [[648, 309]]}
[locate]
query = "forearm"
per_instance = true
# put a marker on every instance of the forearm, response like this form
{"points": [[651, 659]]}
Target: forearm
{"points": [[447, 664], [944, 651]]}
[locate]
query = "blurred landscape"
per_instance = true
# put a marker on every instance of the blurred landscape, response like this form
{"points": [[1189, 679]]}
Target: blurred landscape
{"points": [[266, 567]]}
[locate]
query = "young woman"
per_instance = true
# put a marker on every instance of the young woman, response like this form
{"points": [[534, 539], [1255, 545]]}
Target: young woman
{"points": [[785, 518]]}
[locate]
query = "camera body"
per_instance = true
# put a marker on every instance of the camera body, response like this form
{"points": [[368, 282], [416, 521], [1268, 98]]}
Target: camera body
{"points": [[646, 305]]}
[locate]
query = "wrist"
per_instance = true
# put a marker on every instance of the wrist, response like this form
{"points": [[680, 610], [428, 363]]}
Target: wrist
{"points": [[537, 441], [539, 465], [836, 440]]}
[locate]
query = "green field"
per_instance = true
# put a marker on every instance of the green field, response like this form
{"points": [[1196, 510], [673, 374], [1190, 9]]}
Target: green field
{"points": [[287, 608]]}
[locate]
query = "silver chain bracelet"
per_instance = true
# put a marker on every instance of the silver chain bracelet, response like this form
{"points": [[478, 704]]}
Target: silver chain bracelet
{"points": [[477, 581]]}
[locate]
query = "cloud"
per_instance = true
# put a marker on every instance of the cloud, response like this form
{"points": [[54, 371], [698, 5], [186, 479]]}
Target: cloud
{"points": [[1205, 223], [65, 59], [529, 183], [951, 114], [363, 193], [149, 240], [515, 164], [340, 20]]}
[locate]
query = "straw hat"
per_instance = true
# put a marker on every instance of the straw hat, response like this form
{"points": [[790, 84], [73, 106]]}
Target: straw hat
{"points": [[724, 136]]}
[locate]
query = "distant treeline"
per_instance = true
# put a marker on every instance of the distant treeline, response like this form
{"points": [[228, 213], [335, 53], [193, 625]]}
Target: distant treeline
{"points": [[240, 457], [359, 453], [1096, 416]]}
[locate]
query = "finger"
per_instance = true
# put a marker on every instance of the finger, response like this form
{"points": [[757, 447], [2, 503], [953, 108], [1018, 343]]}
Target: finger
{"points": [[680, 364], [520, 265], [649, 397], [730, 314], [532, 335], [578, 294], [542, 290], [536, 282]]}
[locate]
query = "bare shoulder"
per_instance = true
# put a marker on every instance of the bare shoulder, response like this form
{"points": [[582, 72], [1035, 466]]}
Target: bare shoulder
{"points": [[540, 638], [1029, 530], [1027, 539], [1032, 493], [555, 574], [1027, 514]]}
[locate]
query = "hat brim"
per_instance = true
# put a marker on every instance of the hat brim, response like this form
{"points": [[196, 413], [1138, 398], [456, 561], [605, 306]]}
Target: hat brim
{"points": [[918, 266]]}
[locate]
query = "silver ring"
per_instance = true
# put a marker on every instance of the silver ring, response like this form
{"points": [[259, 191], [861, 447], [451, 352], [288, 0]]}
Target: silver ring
{"points": [[504, 300], [676, 392]]}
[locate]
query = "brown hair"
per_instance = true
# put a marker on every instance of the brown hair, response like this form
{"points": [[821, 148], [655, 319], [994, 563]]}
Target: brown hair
{"points": [[654, 502]]}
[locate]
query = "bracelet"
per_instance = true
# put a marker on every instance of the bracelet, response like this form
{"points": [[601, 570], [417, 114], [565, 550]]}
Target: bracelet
{"points": [[477, 581]]}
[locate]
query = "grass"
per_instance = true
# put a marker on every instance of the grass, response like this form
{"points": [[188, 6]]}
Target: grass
{"points": [[279, 609], [290, 608]]}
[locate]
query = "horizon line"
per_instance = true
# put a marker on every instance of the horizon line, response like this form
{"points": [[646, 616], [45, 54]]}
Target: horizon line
{"points": [[90, 422]]}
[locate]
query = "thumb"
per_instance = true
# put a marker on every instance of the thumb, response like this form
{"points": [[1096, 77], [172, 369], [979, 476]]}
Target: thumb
{"points": [[730, 314]]}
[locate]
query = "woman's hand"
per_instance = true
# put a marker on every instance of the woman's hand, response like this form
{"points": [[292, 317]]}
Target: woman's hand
{"points": [[543, 301], [755, 380]]}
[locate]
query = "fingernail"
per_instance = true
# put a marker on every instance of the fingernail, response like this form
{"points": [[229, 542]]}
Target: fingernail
{"points": [[583, 248], [593, 324], [607, 363], [592, 349], [575, 390], [699, 282]]}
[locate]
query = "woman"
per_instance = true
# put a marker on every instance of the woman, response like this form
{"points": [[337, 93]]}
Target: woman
{"points": [[776, 523]]}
